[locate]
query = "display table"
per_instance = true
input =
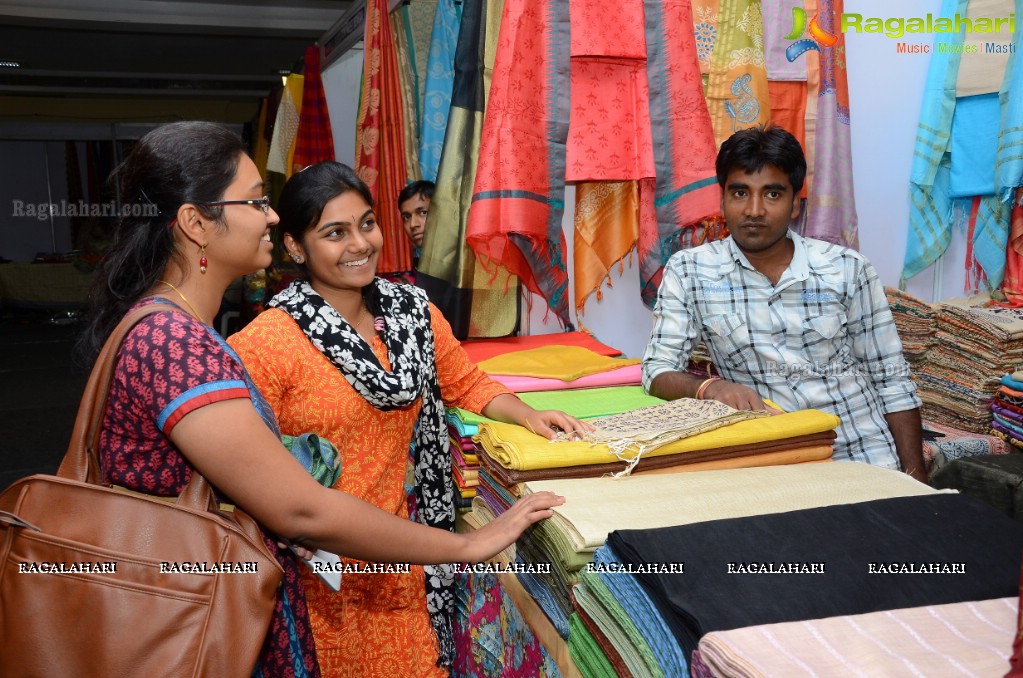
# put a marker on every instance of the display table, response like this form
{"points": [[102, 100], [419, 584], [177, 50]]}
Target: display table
{"points": [[47, 286]]}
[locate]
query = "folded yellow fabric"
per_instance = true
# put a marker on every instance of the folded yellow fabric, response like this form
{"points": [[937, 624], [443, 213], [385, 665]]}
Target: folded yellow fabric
{"points": [[554, 362], [516, 448]]}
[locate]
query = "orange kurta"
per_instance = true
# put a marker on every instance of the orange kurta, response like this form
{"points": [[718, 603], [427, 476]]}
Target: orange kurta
{"points": [[377, 624]]}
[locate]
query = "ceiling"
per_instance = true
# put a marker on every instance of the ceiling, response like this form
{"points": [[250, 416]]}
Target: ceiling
{"points": [[99, 59]]}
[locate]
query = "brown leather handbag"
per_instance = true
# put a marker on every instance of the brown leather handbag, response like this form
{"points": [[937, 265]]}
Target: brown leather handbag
{"points": [[98, 581]]}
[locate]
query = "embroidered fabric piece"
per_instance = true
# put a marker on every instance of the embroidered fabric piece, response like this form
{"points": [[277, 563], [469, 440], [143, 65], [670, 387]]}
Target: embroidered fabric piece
{"points": [[631, 434]]}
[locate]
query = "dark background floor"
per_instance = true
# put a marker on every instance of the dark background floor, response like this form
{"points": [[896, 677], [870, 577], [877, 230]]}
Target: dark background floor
{"points": [[40, 386]]}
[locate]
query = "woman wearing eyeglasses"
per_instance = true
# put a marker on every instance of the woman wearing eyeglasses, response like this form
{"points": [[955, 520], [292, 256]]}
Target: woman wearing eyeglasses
{"points": [[369, 365], [181, 400]]}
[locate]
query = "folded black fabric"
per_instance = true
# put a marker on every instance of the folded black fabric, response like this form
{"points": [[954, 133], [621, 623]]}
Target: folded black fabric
{"points": [[878, 555]]}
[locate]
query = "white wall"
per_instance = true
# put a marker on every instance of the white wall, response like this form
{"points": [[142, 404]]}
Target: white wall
{"points": [[885, 92]]}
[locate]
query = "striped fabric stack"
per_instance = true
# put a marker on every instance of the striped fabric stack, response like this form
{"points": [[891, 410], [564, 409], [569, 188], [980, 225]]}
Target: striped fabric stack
{"points": [[977, 343], [917, 325]]}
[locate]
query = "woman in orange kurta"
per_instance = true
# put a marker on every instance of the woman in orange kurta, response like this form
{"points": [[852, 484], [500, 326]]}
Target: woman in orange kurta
{"points": [[319, 357]]}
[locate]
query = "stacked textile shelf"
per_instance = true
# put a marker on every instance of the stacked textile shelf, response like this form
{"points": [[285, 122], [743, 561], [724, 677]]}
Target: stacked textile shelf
{"points": [[1007, 410], [862, 567], [976, 344], [513, 460], [916, 323], [572, 362], [531, 366], [464, 460], [595, 507], [583, 403]]}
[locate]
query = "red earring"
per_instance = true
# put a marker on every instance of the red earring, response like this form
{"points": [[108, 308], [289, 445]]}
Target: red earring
{"points": [[202, 259]]}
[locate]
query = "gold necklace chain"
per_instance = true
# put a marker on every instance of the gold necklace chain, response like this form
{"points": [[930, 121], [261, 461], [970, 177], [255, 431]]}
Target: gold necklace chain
{"points": [[184, 299]]}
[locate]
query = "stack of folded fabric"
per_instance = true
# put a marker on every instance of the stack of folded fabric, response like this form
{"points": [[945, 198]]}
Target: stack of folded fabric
{"points": [[464, 462], [544, 363], [595, 507], [512, 455], [970, 638], [1007, 410], [697, 498], [583, 403], [557, 368], [976, 344], [632, 434], [916, 323], [834, 561]]}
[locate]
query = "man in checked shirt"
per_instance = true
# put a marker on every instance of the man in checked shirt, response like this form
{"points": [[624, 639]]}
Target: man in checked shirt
{"points": [[798, 321]]}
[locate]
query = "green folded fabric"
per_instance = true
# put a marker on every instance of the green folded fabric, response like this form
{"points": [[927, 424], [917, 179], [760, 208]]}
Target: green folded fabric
{"points": [[317, 455], [596, 596], [583, 403], [588, 657]]}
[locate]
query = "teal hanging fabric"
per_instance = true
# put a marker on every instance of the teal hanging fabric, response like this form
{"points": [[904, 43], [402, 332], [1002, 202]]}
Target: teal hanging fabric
{"points": [[930, 206], [440, 79]]}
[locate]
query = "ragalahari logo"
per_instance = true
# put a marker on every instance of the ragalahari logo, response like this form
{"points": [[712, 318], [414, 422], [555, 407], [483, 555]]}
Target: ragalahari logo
{"points": [[817, 36]]}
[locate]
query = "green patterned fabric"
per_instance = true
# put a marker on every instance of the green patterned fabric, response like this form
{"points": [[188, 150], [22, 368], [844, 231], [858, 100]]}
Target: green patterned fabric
{"points": [[317, 455]]}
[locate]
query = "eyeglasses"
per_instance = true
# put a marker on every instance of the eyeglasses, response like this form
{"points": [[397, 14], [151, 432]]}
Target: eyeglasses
{"points": [[263, 203]]}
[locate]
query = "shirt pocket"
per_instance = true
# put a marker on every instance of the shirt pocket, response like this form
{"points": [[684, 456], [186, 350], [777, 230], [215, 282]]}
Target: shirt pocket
{"points": [[822, 338], [729, 339]]}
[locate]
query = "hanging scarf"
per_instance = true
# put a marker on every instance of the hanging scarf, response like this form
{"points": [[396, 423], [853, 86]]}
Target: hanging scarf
{"points": [[314, 140], [518, 197], [737, 83], [440, 79], [475, 301], [1009, 165], [380, 135], [832, 204], [409, 338], [930, 205]]}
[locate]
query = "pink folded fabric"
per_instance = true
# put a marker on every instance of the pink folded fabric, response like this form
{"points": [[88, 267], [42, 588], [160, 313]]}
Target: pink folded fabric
{"points": [[630, 375]]}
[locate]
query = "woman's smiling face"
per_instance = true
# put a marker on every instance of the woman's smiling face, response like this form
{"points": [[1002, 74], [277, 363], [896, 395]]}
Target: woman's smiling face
{"points": [[342, 249]]}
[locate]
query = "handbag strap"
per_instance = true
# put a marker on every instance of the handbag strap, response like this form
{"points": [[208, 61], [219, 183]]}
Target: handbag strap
{"points": [[81, 462]]}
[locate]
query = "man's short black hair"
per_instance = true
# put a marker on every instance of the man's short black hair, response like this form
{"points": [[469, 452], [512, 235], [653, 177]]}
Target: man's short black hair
{"points": [[751, 149], [421, 187]]}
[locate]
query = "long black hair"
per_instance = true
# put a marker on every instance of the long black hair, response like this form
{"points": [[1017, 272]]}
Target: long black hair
{"points": [[183, 162], [308, 192]]}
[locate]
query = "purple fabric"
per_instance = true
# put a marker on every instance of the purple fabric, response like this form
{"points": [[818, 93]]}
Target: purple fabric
{"points": [[778, 23]]}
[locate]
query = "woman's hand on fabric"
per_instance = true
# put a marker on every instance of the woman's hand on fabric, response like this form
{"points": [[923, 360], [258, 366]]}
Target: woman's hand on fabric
{"points": [[736, 395], [548, 423], [502, 532]]}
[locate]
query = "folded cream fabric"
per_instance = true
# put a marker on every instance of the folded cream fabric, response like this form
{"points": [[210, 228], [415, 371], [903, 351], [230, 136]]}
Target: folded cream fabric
{"points": [[516, 448], [962, 639], [595, 507], [554, 362]]}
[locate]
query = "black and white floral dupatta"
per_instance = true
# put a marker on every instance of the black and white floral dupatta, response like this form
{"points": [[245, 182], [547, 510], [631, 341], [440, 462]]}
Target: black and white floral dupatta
{"points": [[409, 338]]}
